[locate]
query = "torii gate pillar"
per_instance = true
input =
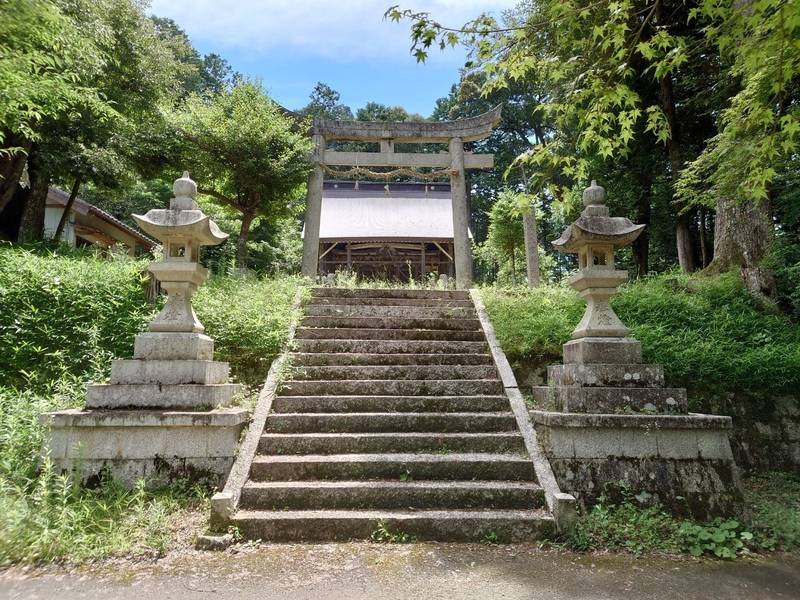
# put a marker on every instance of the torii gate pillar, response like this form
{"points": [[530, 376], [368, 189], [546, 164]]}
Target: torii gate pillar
{"points": [[313, 210], [458, 190]]}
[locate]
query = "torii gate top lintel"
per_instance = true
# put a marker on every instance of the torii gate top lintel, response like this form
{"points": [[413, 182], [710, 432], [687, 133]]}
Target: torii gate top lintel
{"points": [[468, 129]]}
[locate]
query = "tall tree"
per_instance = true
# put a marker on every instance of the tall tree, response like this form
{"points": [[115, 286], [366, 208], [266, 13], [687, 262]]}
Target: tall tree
{"points": [[91, 140], [245, 153], [48, 66], [619, 72]]}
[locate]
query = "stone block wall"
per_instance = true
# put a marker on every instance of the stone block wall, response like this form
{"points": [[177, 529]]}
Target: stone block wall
{"points": [[765, 434], [766, 431]]}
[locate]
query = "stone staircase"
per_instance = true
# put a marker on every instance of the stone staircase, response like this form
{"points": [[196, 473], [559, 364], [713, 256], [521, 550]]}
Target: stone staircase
{"points": [[394, 417]]}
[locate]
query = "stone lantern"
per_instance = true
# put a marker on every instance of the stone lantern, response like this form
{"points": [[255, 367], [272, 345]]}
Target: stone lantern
{"points": [[167, 412], [605, 417], [182, 229], [594, 237]]}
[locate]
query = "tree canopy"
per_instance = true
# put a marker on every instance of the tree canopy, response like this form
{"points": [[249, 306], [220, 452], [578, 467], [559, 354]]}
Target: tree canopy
{"points": [[245, 153]]}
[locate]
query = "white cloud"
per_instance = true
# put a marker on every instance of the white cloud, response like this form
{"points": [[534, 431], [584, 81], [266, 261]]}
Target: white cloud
{"points": [[347, 29]]}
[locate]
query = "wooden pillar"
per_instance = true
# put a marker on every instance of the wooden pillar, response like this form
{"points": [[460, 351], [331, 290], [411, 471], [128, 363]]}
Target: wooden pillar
{"points": [[458, 192], [313, 211], [349, 258], [422, 261]]}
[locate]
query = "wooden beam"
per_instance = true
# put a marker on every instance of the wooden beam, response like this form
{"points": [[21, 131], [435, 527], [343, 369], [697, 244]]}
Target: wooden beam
{"points": [[443, 250], [439, 160], [331, 247]]}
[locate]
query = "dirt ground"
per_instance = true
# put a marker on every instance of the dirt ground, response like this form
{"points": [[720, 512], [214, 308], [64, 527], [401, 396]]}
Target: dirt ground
{"points": [[418, 571]]}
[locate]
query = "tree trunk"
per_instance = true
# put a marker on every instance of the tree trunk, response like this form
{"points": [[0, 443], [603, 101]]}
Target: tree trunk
{"points": [[31, 227], [683, 240], [62, 222], [241, 245], [683, 234], [11, 168], [641, 245], [742, 239], [531, 246], [703, 241]]}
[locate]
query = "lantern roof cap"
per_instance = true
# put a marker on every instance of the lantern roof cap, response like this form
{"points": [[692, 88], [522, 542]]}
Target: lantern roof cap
{"points": [[183, 219], [595, 226]]}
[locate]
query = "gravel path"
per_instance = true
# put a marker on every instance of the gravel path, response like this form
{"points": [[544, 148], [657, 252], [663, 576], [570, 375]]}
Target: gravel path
{"points": [[420, 571]]}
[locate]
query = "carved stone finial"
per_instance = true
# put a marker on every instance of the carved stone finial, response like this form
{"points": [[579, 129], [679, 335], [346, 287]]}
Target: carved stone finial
{"points": [[185, 191], [594, 195], [184, 187]]}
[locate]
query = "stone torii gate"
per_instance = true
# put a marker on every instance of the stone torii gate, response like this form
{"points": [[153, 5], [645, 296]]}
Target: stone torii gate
{"points": [[453, 133]]}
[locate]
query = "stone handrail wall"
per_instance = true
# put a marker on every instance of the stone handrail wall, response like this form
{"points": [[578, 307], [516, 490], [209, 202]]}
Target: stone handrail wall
{"points": [[224, 503], [561, 505]]}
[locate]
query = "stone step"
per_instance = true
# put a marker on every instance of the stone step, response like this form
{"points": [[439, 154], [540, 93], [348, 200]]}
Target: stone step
{"points": [[610, 400], [327, 495], [376, 442], [411, 347], [367, 301], [408, 312], [508, 526], [168, 372], [151, 395], [334, 404], [301, 359], [389, 293], [462, 324], [390, 387], [396, 372], [344, 333], [397, 466], [383, 421]]}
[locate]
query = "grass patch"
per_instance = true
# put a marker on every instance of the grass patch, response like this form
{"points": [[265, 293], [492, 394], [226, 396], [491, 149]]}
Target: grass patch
{"points": [[774, 499], [772, 522], [386, 534], [45, 516]]}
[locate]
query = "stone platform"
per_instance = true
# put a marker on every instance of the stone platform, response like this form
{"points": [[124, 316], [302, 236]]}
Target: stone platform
{"points": [[164, 415], [682, 461], [607, 421], [156, 445]]}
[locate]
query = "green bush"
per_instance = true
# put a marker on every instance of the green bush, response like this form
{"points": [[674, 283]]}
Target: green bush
{"points": [[71, 314], [66, 314], [249, 320], [707, 332], [63, 317]]}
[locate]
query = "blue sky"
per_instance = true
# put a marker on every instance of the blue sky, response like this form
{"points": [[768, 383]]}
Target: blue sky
{"points": [[292, 44]]}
